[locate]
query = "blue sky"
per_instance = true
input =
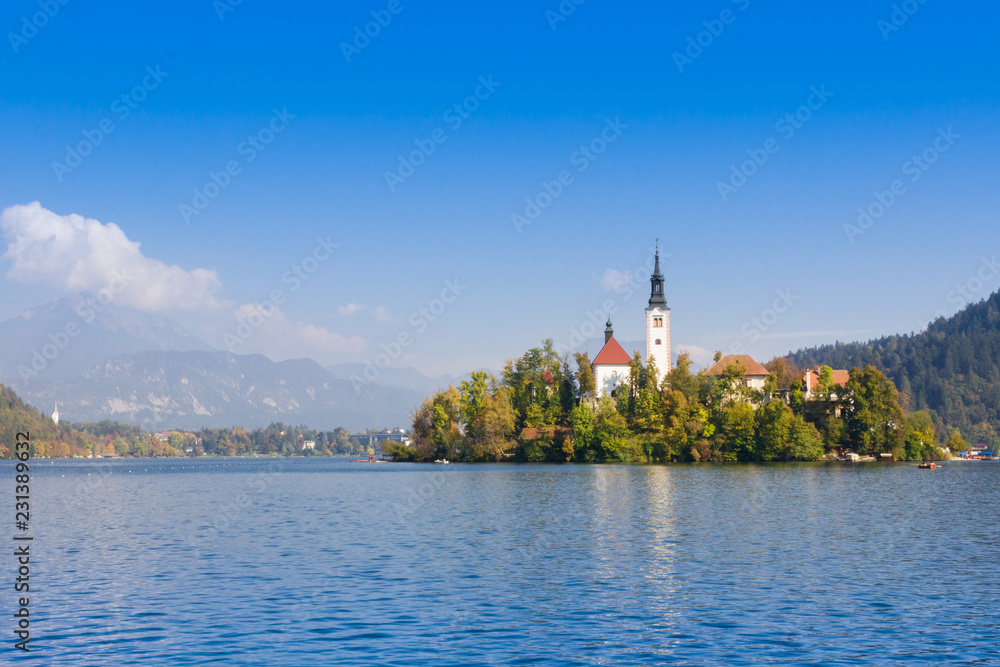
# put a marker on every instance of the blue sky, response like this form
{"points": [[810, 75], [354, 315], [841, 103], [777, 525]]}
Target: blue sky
{"points": [[890, 90]]}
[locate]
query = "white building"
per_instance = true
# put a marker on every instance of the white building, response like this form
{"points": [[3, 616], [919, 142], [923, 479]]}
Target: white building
{"points": [[611, 365], [754, 375], [55, 414], [658, 324]]}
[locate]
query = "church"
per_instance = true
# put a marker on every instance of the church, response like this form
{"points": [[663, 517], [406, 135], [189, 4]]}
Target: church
{"points": [[611, 365]]}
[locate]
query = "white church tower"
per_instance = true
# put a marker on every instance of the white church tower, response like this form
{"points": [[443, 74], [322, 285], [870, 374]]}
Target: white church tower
{"points": [[55, 414], [658, 323]]}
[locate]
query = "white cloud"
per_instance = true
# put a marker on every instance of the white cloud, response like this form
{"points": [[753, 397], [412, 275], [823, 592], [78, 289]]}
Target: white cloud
{"points": [[699, 355], [381, 314], [278, 337], [613, 280], [350, 309], [84, 255]]}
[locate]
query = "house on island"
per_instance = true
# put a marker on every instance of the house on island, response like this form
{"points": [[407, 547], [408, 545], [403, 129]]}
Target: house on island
{"points": [[811, 383], [754, 375], [611, 365]]}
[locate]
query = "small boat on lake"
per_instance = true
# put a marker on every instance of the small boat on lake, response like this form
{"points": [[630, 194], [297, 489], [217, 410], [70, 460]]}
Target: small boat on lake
{"points": [[928, 465], [441, 461]]}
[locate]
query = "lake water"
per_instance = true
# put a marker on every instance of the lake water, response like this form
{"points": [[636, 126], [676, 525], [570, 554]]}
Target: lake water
{"points": [[326, 562]]}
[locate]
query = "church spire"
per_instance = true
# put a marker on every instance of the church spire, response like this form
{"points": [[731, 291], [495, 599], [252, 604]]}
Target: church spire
{"points": [[656, 297], [608, 331]]}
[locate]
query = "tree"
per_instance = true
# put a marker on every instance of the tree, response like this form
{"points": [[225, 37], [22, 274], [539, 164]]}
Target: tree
{"points": [[956, 443], [680, 378], [873, 419], [773, 431], [825, 384], [805, 442], [784, 372], [610, 431], [435, 425], [647, 415], [730, 386], [473, 392], [490, 434], [583, 422], [585, 375], [736, 433]]}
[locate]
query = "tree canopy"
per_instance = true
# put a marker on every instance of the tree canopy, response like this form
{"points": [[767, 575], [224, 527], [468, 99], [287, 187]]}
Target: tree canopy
{"points": [[541, 410]]}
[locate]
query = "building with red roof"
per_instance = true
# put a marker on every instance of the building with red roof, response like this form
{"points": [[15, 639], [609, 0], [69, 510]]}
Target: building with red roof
{"points": [[754, 375], [611, 365], [810, 381]]}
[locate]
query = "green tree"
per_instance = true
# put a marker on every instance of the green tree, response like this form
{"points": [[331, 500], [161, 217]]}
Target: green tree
{"points": [[585, 375], [806, 444], [647, 412], [956, 443], [873, 419], [825, 385], [680, 378], [610, 432], [583, 422], [784, 372], [773, 431], [736, 433]]}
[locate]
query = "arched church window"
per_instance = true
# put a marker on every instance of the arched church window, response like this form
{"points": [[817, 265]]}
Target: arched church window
{"points": [[658, 342]]}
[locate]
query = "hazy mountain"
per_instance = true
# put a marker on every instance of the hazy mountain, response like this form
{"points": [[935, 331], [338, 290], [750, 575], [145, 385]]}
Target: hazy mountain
{"points": [[68, 337], [194, 389]]}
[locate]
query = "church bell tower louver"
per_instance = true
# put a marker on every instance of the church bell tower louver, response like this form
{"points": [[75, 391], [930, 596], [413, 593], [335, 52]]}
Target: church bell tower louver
{"points": [[658, 323]]}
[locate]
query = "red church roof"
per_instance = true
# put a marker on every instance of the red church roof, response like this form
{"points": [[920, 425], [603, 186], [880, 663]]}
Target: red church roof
{"points": [[612, 354]]}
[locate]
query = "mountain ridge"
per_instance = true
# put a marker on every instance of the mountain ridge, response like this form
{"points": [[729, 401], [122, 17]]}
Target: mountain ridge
{"points": [[952, 368]]}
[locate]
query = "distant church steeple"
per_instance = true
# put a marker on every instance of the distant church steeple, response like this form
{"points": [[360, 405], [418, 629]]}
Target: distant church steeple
{"points": [[656, 296], [608, 331], [55, 413], [658, 321]]}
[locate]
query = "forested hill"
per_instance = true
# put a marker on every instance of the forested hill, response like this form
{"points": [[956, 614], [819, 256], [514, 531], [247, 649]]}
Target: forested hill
{"points": [[18, 417], [953, 368]]}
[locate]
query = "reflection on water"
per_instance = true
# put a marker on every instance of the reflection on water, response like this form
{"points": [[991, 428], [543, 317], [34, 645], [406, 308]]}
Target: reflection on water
{"points": [[318, 562]]}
